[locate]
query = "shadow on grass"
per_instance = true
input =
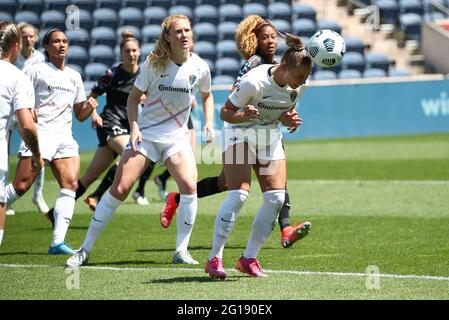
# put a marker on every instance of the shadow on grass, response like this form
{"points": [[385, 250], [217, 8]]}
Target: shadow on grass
{"points": [[70, 228], [15, 253], [131, 263], [171, 249], [188, 279]]}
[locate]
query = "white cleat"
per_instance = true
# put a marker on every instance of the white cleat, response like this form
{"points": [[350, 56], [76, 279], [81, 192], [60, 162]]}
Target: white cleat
{"points": [[39, 201], [140, 200], [10, 211], [80, 258], [183, 257]]}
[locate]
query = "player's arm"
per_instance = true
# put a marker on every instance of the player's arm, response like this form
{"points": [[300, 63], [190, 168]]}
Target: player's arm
{"points": [[84, 109], [97, 121], [28, 132], [291, 120], [240, 97], [207, 101], [132, 109]]}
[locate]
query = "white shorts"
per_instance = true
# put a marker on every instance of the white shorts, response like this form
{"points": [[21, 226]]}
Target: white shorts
{"points": [[264, 145], [3, 175], [161, 151], [52, 147]]}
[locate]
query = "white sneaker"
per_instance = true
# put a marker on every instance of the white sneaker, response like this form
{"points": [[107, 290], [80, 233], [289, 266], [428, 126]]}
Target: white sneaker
{"points": [[39, 201], [80, 258], [183, 257], [143, 201], [10, 211]]}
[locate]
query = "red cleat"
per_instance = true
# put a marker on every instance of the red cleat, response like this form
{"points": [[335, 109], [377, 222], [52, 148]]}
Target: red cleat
{"points": [[291, 234], [214, 268], [250, 266], [169, 210]]}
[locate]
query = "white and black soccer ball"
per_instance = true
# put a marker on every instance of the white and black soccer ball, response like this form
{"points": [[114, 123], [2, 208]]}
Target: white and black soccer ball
{"points": [[327, 48]]}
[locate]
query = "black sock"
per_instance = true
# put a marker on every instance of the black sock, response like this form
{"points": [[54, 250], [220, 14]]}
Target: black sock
{"points": [[178, 198], [143, 179], [207, 187], [105, 183], [164, 176], [80, 191], [284, 214]]}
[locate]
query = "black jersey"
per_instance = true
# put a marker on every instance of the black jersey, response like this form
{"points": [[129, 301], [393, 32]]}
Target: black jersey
{"points": [[117, 84]]}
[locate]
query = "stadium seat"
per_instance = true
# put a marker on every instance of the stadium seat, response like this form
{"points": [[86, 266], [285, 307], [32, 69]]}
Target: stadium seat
{"points": [[88, 5], [389, 11], [262, 2], [374, 73], [6, 16], [135, 31], [9, 6], [304, 27], [305, 41], [58, 5], [93, 71], [240, 3], [410, 24], [151, 32], [303, 11], [28, 16], [280, 10], [166, 4], [104, 36], [88, 86], [78, 69], [105, 17], [227, 49], [102, 54], [353, 60], [145, 50], [349, 74], [206, 50], [111, 4], [31, 5], [226, 30], [77, 55], [79, 37], [230, 12], [377, 60], [398, 73], [227, 66], [154, 15], [282, 26], [205, 31], [324, 75], [86, 20], [139, 4], [411, 6], [255, 8], [206, 13], [188, 12], [354, 44], [211, 65], [281, 47], [329, 24], [432, 16], [53, 19], [130, 17], [188, 3]]}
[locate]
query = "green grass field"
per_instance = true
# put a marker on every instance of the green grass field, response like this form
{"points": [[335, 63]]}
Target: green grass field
{"points": [[375, 204]]}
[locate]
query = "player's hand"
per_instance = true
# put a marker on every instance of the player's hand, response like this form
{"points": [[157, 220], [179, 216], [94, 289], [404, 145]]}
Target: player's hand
{"points": [[92, 103], [250, 112], [135, 137], [97, 121], [209, 133], [142, 99], [36, 163], [291, 120], [34, 114]]}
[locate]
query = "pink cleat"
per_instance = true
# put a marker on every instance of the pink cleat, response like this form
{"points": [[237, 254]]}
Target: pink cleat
{"points": [[250, 266], [291, 234], [214, 268], [169, 210]]}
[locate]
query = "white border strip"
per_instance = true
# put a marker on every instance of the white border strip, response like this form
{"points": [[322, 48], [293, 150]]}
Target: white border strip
{"points": [[298, 273]]}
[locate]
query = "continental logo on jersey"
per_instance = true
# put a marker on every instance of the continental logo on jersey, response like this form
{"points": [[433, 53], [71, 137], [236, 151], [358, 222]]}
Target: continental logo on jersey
{"points": [[163, 88], [192, 79], [59, 88], [262, 105], [293, 96]]}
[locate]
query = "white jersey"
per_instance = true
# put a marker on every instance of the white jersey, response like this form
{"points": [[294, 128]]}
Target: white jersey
{"points": [[258, 88], [56, 91], [23, 63], [16, 92], [170, 95]]}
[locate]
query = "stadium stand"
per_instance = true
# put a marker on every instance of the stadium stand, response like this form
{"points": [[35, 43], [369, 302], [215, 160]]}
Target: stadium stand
{"points": [[79, 37], [93, 71], [104, 36], [154, 15]]}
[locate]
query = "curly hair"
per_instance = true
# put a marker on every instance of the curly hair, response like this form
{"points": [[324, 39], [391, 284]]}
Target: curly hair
{"points": [[246, 37]]}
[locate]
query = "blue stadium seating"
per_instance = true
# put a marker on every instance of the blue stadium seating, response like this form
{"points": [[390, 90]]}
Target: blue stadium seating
{"points": [[349, 74], [31, 5], [282, 26], [188, 12], [59, 5], [227, 66], [263, 2], [102, 54], [411, 6], [166, 4], [104, 36], [150, 33], [303, 11], [111, 4], [211, 65], [398, 73], [88, 5], [105, 17], [154, 15], [188, 3], [354, 44], [28, 16], [329, 24], [78, 37], [389, 11], [205, 31], [145, 50], [282, 46], [410, 24], [78, 69], [53, 19], [77, 55], [374, 73], [324, 75], [222, 79], [9, 6], [353, 60], [206, 13], [280, 10], [86, 19], [5, 16], [93, 71], [227, 48], [230, 12], [130, 17], [139, 4], [255, 8], [377, 61], [236, 2], [133, 29], [226, 30], [304, 27]]}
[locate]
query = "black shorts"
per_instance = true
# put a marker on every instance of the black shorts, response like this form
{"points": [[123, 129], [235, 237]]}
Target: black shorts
{"points": [[106, 133], [190, 123]]}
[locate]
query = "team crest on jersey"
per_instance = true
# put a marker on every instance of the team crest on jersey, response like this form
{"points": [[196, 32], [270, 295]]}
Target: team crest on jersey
{"points": [[192, 79], [293, 96]]}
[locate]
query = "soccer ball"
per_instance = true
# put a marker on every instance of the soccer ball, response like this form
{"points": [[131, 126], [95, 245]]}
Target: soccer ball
{"points": [[327, 48]]}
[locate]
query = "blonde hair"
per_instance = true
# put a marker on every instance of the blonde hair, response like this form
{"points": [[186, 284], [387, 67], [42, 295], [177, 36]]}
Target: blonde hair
{"points": [[23, 24], [296, 54], [161, 54], [9, 34], [246, 35], [127, 36]]}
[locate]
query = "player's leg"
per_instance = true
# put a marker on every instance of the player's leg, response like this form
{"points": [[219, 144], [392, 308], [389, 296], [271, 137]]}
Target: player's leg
{"points": [[139, 193], [38, 196], [23, 180], [3, 175]]}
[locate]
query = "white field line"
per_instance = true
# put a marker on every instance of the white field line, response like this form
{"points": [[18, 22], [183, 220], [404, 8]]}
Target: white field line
{"points": [[297, 273]]}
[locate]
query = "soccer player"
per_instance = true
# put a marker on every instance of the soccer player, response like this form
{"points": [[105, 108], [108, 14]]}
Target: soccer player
{"points": [[257, 42], [266, 96], [58, 90], [169, 77], [16, 97]]}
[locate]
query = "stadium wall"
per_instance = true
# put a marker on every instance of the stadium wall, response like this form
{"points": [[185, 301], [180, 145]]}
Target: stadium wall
{"points": [[354, 108]]}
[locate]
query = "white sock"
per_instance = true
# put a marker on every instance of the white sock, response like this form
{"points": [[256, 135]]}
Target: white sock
{"points": [[226, 217], [1, 236], [185, 220], [103, 214], [64, 207], [264, 222], [39, 184], [11, 195]]}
